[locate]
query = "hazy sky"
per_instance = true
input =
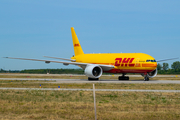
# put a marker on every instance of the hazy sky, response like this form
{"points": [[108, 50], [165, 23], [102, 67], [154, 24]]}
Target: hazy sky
{"points": [[35, 28]]}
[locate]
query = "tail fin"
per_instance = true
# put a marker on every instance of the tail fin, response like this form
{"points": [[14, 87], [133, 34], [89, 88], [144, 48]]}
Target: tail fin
{"points": [[77, 47]]}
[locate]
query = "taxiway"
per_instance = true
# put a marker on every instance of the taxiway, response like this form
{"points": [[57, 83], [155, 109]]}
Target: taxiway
{"points": [[99, 81], [68, 89]]}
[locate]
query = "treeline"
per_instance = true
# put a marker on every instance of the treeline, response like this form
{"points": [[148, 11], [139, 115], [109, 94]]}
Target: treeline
{"points": [[53, 71], [162, 69], [165, 69], [169, 71], [9, 71], [45, 71]]}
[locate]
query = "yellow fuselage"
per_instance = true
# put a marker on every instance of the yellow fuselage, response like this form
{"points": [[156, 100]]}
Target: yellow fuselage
{"points": [[123, 62]]}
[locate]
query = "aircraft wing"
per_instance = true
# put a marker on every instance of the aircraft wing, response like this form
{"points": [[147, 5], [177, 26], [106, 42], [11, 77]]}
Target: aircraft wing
{"points": [[82, 65], [166, 59]]}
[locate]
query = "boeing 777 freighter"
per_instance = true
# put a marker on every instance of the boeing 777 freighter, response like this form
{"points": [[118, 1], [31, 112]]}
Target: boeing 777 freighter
{"points": [[95, 64]]}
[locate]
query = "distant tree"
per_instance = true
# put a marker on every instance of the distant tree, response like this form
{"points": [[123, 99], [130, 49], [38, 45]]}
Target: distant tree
{"points": [[176, 65], [2, 71], [54, 71], [165, 66], [159, 66]]}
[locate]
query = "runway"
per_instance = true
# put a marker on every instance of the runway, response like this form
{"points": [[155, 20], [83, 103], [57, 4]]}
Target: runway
{"points": [[67, 89], [100, 81]]}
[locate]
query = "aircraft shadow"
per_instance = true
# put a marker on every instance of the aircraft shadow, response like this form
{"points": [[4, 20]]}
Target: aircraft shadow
{"points": [[116, 80]]}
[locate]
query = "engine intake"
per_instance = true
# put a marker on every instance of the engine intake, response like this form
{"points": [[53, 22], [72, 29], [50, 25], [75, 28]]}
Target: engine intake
{"points": [[93, 71], [152, 74]]}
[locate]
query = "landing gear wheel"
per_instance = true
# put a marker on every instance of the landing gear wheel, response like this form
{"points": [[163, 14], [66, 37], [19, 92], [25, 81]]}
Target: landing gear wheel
{"points": [[146, 78], [92, 78]]}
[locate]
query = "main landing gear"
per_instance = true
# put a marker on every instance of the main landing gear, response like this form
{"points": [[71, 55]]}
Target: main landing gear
{"points": [[92, 78], [123, 77]]}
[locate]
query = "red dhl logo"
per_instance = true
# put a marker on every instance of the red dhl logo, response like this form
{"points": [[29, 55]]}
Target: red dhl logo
{"points": [[76, 45], [124, 62]]}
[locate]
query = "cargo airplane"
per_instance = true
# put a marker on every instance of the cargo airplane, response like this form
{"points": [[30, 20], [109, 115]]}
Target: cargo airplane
{"points": [[95, 64]]}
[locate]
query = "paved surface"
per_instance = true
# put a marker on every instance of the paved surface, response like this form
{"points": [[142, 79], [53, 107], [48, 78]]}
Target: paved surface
{"points": [[100, 81], [24, 74], [90, 89]]}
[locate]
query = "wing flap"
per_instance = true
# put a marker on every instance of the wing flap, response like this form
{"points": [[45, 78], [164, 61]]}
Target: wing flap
{"points": [[61, 58]]}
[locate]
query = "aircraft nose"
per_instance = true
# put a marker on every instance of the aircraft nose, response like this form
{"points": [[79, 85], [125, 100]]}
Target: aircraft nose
{"points": [[156, 64]]}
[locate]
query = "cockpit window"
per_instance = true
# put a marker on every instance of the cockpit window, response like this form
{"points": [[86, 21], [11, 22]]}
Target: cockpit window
{"points": [[150, 60]]}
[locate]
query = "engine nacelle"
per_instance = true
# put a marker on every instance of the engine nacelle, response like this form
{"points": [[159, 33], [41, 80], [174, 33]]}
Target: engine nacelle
{"points": [[93, 71], [152, 73]]}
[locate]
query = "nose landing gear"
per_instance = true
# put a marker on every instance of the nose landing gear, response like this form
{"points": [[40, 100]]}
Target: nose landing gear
{"points": [[146, 78]]}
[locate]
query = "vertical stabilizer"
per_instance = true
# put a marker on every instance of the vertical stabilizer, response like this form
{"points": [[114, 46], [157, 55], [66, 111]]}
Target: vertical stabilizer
{"points": [[77, 47]]}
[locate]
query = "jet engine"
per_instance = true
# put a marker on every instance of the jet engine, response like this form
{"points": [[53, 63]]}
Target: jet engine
{"points": [[93, 71], [152, 73]]}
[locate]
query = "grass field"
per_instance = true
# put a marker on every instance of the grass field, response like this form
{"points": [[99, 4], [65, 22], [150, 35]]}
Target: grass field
{"points": [[63, 105], [47, 84], [77, 105]]}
